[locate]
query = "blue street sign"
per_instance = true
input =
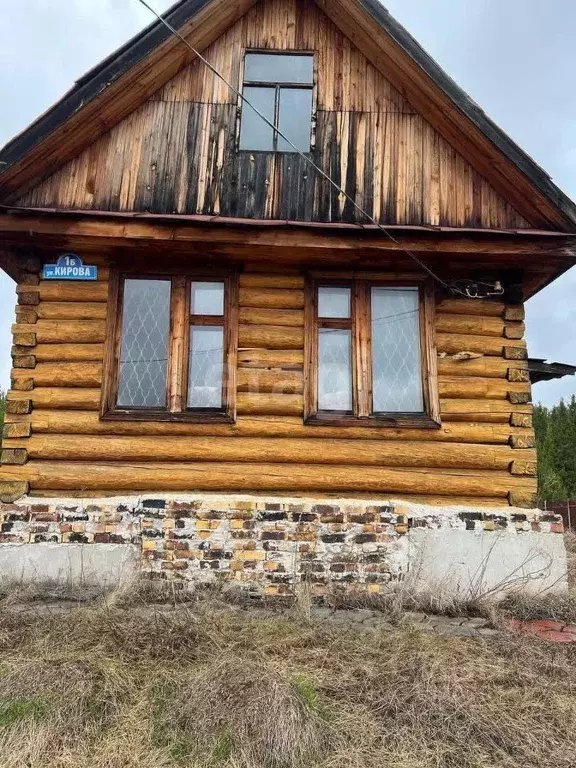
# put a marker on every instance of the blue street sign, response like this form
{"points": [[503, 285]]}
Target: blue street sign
{"points": [[69, 267]]}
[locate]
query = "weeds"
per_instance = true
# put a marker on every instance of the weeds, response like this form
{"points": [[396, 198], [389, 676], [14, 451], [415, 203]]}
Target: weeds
{"points": [[190, 686]]}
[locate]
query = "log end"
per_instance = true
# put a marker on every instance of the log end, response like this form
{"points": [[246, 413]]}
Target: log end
{"points": [[12, 491], [523, 499], [18, 456]]}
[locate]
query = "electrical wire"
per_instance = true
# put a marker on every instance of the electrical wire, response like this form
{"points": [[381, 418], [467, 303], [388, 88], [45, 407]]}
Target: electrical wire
{"points": [[450, 286]]}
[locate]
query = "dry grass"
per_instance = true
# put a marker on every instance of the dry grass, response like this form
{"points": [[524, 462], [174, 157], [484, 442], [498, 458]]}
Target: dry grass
{"points": [[145, 687]]}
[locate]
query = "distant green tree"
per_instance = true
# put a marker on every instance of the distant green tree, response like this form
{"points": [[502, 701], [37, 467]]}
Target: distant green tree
{"points": [[556, 441]]}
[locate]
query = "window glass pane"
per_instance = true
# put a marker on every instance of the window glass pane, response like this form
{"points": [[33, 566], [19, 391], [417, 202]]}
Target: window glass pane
{"points": [[295, 119], [334, 370], [396, 351], [333, 302], [206, 366], [255, 133], [207, 299], [144, 349], [279, 68]]}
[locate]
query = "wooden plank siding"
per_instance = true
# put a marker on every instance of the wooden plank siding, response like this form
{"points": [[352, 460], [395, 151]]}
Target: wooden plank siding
{"points": [[177, 153], [55, 441]]}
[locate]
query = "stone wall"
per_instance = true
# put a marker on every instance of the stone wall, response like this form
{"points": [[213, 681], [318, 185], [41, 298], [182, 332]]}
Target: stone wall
{"points": [[269, 545]]}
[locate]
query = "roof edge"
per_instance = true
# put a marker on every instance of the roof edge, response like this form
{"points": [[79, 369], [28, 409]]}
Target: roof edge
{"points": [[509, 148], [96, 80]]}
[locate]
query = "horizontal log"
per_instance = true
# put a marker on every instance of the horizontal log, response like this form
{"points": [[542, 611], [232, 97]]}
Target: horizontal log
{"points": [[471, 307], [292, 478], [251, 280], [68, 374], [56, 291], [271, 298], [475, 325], [89, 423], [50, 353], [250, 404], [58, 331], [408, 453], [270, 337], [267, 380], [72, 310], [489, 411], [489, 367], [58, 397], [476, 387], [287, 359], [452, 343], [256, 316]]}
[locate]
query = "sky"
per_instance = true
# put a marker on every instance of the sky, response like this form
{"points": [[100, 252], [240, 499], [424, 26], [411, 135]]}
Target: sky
{"points": [[516, 58]]}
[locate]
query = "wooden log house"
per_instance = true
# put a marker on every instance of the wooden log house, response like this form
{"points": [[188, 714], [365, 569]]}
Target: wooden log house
{"points": [[250, 329]]}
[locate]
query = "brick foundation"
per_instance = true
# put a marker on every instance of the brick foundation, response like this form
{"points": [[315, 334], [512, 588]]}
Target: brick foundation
{"points": [[266, 545]]}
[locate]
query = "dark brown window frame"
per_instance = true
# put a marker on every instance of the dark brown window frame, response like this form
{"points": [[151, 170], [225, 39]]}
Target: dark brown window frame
{"points": [[360, 324], [270, 84], [181, 321]]}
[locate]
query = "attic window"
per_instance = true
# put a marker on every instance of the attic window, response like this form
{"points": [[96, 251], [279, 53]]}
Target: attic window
{"points": [[280, 87]]}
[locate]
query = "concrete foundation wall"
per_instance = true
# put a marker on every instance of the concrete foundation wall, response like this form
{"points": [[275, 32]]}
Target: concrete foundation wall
{"points": [[269, 545]]}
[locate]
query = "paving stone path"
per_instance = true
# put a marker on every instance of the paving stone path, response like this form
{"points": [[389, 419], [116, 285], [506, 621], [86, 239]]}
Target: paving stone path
{"points": [[361, 619]]}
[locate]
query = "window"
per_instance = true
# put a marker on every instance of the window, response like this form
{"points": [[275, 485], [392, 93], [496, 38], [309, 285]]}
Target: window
{"points": [[370, 353], [171, 348], [280, 86]]}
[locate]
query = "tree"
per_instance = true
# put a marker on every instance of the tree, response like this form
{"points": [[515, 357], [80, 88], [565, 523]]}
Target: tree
{"points": [[556, 440]]}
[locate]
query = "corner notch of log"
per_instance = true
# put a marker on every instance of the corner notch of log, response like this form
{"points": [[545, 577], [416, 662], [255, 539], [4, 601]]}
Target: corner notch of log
{"points": [[515, 353], [523, 499], [521, 441], [16, 429], [12, 491], [514, 331], [523, 468], [519, 398], [23, 361], [518, 375], [521, 420], [14, 456], [19, 407]]}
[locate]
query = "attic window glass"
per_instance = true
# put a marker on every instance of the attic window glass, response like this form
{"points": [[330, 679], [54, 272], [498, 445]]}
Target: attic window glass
{"points": [[370, 354], [280, 87], [171, 343]]}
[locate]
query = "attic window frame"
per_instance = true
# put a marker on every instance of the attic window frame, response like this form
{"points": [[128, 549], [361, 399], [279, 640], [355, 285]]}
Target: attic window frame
{"points": [[278, 86], [359, 323], [177, 372]]}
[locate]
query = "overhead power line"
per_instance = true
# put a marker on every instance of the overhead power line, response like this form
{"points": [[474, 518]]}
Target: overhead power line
{"points": [[451, 287]]}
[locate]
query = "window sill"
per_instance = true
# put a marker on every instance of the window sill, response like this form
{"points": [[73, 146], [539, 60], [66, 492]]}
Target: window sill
{"points": [[400, 420], [197, 417]]}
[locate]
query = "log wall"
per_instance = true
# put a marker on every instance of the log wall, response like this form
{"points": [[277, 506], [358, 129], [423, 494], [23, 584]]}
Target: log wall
{"points": [[55, 443], [177, 153]]}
